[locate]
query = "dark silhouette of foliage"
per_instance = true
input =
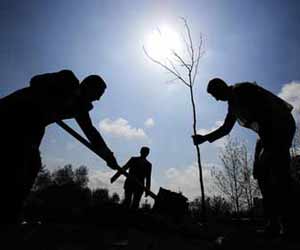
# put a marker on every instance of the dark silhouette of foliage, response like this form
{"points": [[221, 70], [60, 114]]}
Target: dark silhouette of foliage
{"points": [[115, 198], [43, 179], [100, 196], [59, 195], [217, 207], [81, 176], [63, 176]]}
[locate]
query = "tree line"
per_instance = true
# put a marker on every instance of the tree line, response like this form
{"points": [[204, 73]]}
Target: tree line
{"points": [[63, 194]]}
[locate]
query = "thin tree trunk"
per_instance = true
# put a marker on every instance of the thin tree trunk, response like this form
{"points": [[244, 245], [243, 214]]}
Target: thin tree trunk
{"points": [[203, 205]]}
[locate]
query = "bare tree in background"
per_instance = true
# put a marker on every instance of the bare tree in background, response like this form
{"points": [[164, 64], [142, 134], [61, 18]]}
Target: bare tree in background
{"points": [[248, 183], [295, 150], [235, 180], [185, 69]]}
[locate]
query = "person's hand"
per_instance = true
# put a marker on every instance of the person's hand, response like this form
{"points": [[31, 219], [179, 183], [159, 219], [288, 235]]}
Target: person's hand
{"points": [[199, 139]]}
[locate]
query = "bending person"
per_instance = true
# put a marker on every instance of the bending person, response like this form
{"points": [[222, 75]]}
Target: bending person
{"points": [[270, 117], [24, 116]]}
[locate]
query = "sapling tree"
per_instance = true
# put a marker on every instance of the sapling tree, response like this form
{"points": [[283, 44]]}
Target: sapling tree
{"points": [[184, 67]]}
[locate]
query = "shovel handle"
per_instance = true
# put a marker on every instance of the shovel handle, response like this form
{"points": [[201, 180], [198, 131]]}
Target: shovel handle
{"points": [[86, 143]]}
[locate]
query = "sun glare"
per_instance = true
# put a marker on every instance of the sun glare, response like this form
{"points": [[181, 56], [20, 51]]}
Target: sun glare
{"points": [[161, 42]]}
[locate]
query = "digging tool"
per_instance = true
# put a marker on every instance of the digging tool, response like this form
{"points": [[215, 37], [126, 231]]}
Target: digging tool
{"points": [[90, 146], [116, 176], [166, 201]]}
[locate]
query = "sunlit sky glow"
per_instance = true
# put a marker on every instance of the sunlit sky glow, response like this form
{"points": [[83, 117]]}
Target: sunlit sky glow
{"points": [[161, 42], [244, 41]]}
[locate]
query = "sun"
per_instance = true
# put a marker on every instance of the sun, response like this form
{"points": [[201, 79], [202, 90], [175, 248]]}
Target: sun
{"points": [[161, 42]]}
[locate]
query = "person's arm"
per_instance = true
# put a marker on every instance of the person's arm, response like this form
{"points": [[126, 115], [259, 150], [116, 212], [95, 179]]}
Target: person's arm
{"points": [[223, 130], [84, 121], [148, 179], [128, 164], [218, 133]]}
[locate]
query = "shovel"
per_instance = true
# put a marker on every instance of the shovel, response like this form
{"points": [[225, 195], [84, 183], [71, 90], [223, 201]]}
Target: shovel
{"points": [[166, 201]]}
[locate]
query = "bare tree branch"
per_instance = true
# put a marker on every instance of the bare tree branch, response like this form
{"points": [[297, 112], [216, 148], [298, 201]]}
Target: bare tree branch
{"points": [[174, 68], [197, 60], [166, 67], [172, 80], [186, 45], [181, 60], [189, 37]]}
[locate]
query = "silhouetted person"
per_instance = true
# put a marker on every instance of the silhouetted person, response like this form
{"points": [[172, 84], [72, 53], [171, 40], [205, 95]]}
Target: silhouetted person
{"points": [[140, 168], [24, 116], [270, 117]]}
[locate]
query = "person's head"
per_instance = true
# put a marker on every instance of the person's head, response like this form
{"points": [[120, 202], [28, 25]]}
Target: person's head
{"points": [[92, 87], [218, 89], [145, 152]]}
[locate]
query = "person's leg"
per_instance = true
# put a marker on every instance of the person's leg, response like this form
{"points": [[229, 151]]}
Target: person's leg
{"points": [[11, 192], [268, 186], [128, 197], [136, 198], [282, 194], [276, 159], [265, 198]]}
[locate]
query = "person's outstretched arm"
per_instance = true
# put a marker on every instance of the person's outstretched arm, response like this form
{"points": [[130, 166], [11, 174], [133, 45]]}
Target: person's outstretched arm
{"points": [[218, 133], [95, 138]]}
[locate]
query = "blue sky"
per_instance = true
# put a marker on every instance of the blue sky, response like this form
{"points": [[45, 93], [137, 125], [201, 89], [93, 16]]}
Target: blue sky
{"points": [[244, 41]]}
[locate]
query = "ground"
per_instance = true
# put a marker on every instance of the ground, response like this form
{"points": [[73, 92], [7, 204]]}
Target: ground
{"points": [[143, 232]]}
